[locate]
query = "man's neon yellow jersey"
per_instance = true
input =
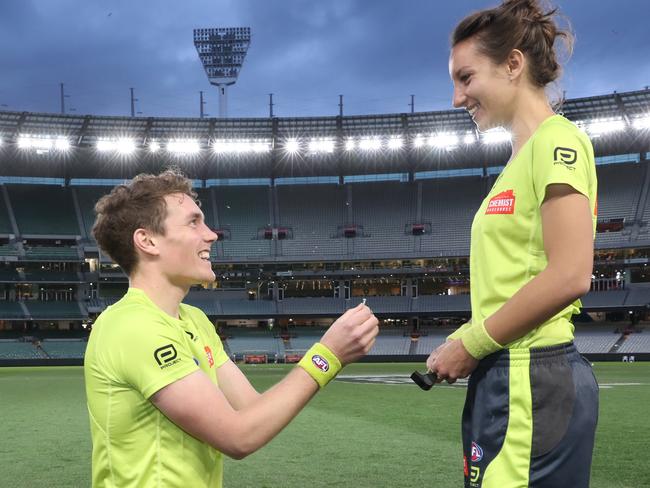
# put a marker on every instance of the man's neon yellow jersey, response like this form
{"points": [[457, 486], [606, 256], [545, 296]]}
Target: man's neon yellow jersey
{"points": [[134, 350], [507, 247]]}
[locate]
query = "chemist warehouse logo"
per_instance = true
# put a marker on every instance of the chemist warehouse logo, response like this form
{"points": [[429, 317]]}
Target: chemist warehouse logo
{"points": [[565, 156], [503, 203], [166, 356]]}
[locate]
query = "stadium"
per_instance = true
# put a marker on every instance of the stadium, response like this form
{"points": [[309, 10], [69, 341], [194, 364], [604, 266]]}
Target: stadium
{"points": [[313, 215]]}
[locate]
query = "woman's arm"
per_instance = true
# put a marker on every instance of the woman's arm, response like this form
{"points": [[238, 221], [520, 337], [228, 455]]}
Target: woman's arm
{"points": [[568, 242]]}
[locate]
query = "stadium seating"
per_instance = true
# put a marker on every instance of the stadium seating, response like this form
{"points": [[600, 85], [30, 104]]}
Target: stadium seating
{"points": [[243, 211], [54, 310], [52, 253], [265, 308], [61, 348], [638, 342], [11, 310], [87, 196], [5, 223], [383, 210], [254, 342], [449, 204], [44, 210], [595, 339], [313, 213], [425, 344], [311, 306], [604, 299], [619, 190], [19, 350], [392, 345]]}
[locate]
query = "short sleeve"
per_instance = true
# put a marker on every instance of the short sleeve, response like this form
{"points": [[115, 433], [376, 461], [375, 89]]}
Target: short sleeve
{"points": [[561, 155], [219, 354], [151, 355]]}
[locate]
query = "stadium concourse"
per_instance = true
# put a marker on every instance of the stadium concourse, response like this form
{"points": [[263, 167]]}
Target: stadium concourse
{"points": [[313, 214]]}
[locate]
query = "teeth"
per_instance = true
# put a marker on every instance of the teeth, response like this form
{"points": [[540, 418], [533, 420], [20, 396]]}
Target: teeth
{"points": [[472, 110], [204, 254]]}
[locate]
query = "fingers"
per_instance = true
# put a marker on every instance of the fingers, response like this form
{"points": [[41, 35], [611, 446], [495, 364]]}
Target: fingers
{"points": [[368, 348], [369, 329]]}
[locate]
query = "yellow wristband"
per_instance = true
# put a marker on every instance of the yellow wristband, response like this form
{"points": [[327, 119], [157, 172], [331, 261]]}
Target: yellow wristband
{"points": [[478, 342], [460, 331], [321, 364]]}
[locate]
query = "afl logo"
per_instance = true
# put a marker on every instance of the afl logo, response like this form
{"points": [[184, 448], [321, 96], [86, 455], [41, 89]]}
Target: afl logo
{"points": [[477, 452], [321, 363]]}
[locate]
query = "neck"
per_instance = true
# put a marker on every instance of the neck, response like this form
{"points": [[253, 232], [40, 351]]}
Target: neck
{"points": [[166, 295], [532, 109]]}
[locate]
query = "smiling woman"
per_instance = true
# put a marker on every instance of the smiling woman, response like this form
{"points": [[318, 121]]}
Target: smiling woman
{"points": [[532, 403]]}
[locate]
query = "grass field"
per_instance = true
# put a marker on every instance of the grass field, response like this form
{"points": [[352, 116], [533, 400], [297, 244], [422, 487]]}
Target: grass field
{"points": [[351, 435]]}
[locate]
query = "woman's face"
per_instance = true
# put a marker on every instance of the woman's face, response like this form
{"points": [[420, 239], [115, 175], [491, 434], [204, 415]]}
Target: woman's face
{"points": [[482, 87]]}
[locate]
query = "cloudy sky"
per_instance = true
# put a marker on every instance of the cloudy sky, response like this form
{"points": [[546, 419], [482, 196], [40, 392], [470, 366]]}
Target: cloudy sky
{"points": [[306, 52]]}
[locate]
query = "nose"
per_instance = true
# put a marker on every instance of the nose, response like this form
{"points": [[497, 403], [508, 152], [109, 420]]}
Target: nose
{"points": [[211, 236], [459, 97]]}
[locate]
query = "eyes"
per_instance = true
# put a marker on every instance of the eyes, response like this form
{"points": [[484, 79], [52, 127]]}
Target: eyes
{"points": [[465, 78]]}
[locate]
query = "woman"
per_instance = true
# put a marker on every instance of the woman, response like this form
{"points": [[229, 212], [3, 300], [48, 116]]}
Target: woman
{"points": [[532, 402]]}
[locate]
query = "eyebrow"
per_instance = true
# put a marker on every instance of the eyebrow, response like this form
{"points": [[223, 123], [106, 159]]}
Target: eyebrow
{"points": [[195, 215], [457, 73]]}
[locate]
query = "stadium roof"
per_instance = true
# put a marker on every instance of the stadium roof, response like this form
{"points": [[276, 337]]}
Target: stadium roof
{"points": [[72, 146]]}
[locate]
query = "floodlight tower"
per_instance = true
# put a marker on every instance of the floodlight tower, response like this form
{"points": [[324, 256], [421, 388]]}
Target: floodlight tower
{"points": [[222, 51]]}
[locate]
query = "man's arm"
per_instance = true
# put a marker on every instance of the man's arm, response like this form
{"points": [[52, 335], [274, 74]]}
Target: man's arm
{"points": [[204, 411], [568, 242], [235, 386]]}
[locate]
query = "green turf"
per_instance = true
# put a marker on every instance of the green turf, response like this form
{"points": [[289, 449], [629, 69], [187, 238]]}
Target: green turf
{"points": [[351, 435]]}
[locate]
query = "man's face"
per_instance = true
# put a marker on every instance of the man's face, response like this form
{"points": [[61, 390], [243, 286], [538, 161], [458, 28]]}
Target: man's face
{"points": [[185, 247]]}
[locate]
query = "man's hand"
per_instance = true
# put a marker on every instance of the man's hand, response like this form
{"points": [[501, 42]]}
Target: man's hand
{"points": [[451, 361], [352, 335]]}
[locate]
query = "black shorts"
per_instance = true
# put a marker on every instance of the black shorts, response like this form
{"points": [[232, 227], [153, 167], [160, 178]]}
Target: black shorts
{"points": [[530, 419]]}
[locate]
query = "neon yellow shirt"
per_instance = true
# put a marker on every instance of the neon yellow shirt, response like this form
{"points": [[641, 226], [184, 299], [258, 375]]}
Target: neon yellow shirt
{"points": [[507, 247], [134, 350]]}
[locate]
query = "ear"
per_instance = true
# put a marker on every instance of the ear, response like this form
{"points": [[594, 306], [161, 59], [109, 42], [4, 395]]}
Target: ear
{"points": [[145, 241], [515, 64]]}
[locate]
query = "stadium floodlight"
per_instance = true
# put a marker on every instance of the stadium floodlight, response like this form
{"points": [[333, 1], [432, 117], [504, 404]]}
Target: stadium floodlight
{"points": [[496, 136], [469, 138], [125, 146], [222, 52], [260, 146], [105, 146], [395, 143], [321, 146], [154, 146], [444, 140], [28, 142], [44, 143], [418, 141], [61, 144], [370, 144], [291, 146], [122, 145], [184, 146], [350, 145], [642, 123], [240, 146], [601, 127]]}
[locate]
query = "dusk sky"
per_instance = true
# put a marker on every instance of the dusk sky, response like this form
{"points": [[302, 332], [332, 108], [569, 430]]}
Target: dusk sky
{"points": [[306, 52]]}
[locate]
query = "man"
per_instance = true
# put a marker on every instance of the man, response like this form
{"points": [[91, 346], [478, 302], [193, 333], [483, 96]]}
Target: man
{"points": [[164, 399]]}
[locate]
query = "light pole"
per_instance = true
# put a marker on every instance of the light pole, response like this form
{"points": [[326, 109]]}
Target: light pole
{"points": [[222, 52]]}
